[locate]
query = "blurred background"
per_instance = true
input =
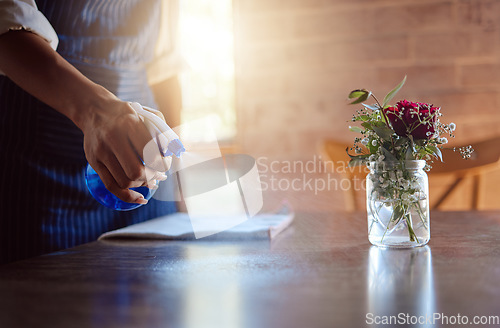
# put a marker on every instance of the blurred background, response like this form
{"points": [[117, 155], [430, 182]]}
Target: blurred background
{"points": [[276, 74]]}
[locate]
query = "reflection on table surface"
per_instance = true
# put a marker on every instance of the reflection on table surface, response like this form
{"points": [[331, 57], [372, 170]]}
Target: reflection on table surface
{"points": [[321, 272], [400, 279]]}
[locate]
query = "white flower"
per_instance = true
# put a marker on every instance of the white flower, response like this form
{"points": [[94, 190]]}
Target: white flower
{"points": [[405, 184], [452, 126], [443, 140], [365, 141], [392, 175], [374, 142], [372, 158]]}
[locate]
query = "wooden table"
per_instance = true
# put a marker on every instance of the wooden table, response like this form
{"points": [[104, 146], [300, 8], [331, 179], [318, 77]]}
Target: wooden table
{"points": [[321, 272]]}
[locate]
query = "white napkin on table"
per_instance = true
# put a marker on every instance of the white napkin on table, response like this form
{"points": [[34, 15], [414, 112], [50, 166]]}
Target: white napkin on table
{"points": [[178, 226]]}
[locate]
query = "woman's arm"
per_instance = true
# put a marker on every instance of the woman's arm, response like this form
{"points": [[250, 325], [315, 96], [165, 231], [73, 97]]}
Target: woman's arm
{"points": [[109, 124]]}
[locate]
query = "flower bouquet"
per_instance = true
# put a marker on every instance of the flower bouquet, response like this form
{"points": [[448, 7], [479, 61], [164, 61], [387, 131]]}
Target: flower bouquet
{"points": [[399, 144]]}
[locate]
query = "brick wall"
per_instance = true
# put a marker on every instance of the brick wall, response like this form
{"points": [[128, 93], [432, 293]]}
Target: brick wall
{"points": [[296, 61]]}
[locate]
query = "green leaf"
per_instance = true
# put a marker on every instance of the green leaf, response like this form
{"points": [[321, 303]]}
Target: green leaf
{"points": [[388, 155], [355, 162], [379, 124], [367, 125], [383, 132], [410, 155], [420, 142], [435, 151], [357, 93], [362, 95], [401, 141], [384, 120], [361, 118], [362, 156], [355, 129], [398, 213], [422, 152], [393, 92], [373, 149], [371, 107]]}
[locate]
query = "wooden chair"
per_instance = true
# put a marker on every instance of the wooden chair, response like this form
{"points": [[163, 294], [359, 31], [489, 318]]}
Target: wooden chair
{"points": [[484, 159], [335, 158]]}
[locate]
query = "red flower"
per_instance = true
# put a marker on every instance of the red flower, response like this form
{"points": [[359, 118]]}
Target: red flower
{"points": [[415, 119], [395, 117], [421, 122]]}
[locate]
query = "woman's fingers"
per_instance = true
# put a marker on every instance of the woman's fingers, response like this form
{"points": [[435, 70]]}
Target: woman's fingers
{"points": [[152, 175], [120, 143], [126, 152], [115, 168], [127, 195]]}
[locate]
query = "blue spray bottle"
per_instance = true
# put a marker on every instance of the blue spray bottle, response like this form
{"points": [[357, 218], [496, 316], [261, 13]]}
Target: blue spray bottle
{"points": [[162, 135]]}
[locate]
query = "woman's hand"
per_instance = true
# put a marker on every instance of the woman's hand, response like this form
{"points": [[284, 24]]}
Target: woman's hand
{"points": [[114, 139]]}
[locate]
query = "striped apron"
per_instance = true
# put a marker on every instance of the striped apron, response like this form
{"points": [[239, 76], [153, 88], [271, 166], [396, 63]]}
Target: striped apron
{"points": [[45, 205]]}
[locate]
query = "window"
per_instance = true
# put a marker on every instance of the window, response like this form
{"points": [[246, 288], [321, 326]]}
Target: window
{"points": [[206, 43]]}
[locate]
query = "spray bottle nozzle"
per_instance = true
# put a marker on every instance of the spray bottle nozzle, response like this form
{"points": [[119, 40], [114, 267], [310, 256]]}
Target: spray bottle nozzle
{"points": [[175, 147]]}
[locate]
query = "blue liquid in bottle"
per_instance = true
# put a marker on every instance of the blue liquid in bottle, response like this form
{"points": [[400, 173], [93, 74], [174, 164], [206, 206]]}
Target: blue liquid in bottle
{"points": [[103, 196], [106, 198]]}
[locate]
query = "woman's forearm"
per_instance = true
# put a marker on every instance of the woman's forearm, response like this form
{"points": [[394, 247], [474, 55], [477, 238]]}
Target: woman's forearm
{"points": [[31, 63]]}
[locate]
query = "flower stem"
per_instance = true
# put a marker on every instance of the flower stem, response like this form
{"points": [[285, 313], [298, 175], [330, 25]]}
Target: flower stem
{"points": [[411, 232], [387, 226], [421, 215], [386, 119]]}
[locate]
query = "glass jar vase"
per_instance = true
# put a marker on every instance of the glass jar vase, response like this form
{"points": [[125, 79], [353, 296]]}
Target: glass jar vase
{"points": [[397, 204]]}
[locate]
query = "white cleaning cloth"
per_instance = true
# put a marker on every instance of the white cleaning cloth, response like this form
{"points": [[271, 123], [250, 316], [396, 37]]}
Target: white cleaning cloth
{"points": [[178, 226]]}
